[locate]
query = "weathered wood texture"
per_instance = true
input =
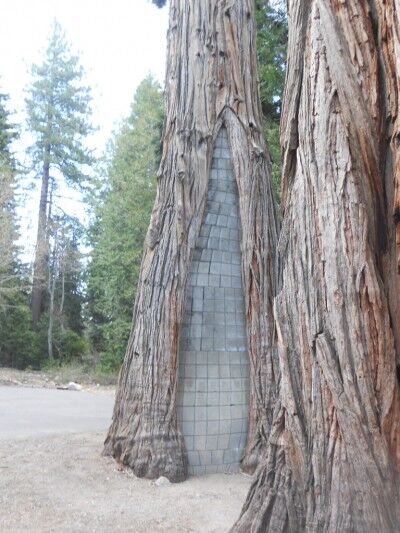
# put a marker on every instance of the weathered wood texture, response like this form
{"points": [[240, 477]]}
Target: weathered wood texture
{"points": [[211, 80], [334, 452]]}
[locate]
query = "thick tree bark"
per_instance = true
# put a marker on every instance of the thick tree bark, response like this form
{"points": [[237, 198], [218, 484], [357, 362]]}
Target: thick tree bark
{"points": [[211, 81], [39, 284], [334, 451]]}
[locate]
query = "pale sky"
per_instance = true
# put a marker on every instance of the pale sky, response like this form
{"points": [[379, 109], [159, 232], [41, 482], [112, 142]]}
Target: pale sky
{"points": [[119, 42]]}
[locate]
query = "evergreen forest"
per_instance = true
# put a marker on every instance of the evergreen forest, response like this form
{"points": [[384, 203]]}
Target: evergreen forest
{"points": [[72, 303]]}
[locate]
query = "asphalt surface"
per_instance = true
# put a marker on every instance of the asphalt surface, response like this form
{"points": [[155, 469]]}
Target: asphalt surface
{"points": [[26, 412]]}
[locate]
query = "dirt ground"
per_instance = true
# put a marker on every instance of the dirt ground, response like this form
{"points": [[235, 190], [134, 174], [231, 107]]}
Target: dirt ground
{"points": [[64, 484]]}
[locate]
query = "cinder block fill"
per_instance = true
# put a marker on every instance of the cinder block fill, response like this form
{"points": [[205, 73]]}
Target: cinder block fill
{"points": [[214, 367]]}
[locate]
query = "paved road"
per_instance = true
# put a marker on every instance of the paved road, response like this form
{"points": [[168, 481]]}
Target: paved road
{"points": [[26, 412]]}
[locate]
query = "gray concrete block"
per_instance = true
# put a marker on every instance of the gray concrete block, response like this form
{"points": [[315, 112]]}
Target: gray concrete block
{"points": [[213, 412], [194, 458], [194, 344], [225, 281], [236, 259], [230, 319], [213, 358], [205, 457], [201, 413], [201, 385], [219, 321], [223, 441], [209, 305], [203, 267], [225, 385], [206, 255], [195, 330], [225, 412], [213, 385], [225, 209], [224, 399], [205, 230], [212, 208], [190, 399], [201, 371], [207, 343], [229, 456], [225, 427], [197, 305], [219, 343], [189, 371], [238, 411], [236, 371], [225, 233], [213, 398], [238, 397], [236, 426], [212, 427], [224, 359], [217, 456], [188, 385], [202, 280], [215, 232], [200, 427], [216, 268], [232, 222], [236, 359], [212, 442], [234, 440], [188, 427], [217, 256], [196, 317], [213, 371], [189, 443], [187, 413], [231, 332], [227, 258], [214, 280], [222, 221], [231, 345], [236, 282], [236, 385], [200, 442], [201, 399]]}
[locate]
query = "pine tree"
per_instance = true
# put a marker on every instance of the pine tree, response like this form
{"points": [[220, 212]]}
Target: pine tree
{"points": [[8, 227], [58, 117], [122, 218], [15, 334], [65, 290], [272, 32]]}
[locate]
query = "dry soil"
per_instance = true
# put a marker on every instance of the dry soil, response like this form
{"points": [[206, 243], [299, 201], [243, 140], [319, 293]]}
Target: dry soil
{"points": [[62, 483]]}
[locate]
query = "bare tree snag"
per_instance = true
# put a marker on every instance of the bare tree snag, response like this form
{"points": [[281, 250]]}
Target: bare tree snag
{"points": [[211, 81], [40, 269], [333, 456]]}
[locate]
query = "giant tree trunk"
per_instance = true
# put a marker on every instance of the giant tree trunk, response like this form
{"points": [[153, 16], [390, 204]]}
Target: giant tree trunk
{"points": [[211, 81], [334, 450]]}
